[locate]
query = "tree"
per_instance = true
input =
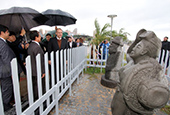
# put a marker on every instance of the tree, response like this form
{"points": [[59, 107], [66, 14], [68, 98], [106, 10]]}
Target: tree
{"points": [[121, 33], [101, 34]]}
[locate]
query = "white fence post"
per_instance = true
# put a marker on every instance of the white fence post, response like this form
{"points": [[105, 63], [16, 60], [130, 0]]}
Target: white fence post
{"points": [[90, 54], [16, 87], [93, 54], [29, 81], [1, 104], [76, 61], [70, 59], [46, 75], [52, 72], [56, 99], [162, 58], [64, 67], [39, 79], [65, 62], [69, 70], [57, 65], [166, 60]]}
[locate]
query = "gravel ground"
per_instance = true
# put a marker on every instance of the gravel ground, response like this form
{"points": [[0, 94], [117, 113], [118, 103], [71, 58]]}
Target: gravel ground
{"points": [[89, 97]]}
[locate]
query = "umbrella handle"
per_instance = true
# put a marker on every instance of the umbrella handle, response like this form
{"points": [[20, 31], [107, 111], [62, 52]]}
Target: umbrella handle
{"points": [[25, 38], [25, 35]]}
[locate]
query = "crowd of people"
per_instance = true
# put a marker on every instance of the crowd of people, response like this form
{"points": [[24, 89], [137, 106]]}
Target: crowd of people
{"points": [[16, 46]]}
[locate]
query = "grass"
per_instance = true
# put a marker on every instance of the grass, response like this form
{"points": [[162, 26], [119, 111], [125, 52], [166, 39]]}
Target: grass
{"points": [[166, 109], [92, 71]]}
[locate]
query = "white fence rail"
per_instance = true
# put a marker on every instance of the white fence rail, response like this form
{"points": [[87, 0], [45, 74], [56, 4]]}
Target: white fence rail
{"points": [[72, 63]]}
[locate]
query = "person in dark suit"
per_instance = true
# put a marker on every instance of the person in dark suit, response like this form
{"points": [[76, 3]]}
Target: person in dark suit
{"points": [[6, 55], [15, 44], [78, 42], [33, 50], [165, 47], [55, 44], [44, 42], [71, 43]]}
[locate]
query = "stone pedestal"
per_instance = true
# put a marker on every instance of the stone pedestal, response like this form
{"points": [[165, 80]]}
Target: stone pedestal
{"points": [[108, 82]]}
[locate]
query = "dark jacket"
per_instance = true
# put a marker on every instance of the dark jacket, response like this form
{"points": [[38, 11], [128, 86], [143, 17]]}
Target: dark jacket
{"points": [[53, 45], [73, 45], [80, 44], [165, 45], [33, 50], [44, 45], [15, 47], [6, 56]]}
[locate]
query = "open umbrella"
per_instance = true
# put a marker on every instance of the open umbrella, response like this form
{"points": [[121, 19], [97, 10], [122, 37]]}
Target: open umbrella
{"points": [[58, 17], [16, 18]]}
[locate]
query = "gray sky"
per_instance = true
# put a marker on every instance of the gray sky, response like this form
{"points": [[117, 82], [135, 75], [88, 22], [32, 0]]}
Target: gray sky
{"points": [[132, 15]]}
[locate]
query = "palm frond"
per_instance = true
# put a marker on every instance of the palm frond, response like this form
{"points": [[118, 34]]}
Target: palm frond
{"points": [[97, 26]]}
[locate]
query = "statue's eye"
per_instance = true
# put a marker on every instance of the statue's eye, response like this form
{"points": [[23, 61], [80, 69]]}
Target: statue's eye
{"points": [[138, 46]]}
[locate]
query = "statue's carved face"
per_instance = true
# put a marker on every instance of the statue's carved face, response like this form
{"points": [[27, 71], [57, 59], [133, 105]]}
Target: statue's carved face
{"points": [[113, 47], [138, 50]]}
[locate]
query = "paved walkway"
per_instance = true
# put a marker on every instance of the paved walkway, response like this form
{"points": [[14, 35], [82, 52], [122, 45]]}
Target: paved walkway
{"points": [[89, 97]]}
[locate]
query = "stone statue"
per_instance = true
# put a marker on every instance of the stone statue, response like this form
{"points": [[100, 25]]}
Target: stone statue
{"points": [[113, 63], [143, 86]]}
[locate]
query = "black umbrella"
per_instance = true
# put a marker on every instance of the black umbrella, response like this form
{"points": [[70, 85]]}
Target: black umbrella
{"points": [[58, 17], [16, 18]]}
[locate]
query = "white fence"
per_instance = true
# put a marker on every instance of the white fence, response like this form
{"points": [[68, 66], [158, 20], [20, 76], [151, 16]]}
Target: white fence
{"points": [[95, 58], [72, 63], [164, 61]]}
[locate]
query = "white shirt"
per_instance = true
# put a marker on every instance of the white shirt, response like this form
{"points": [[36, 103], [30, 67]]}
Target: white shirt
{"points": [[70, 43], [3, 39], [58, 38], [36, 42]]}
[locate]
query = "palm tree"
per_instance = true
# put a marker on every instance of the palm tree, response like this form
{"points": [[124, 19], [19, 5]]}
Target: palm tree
{"points": [[101, 34], [121, 33]]}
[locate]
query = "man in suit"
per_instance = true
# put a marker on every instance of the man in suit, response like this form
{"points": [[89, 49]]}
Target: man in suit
{"points": [[33, 50], [44, 42], [15, 44], [71, 43], [55, 44], [78, 42], [6, 55], [165, 47]]}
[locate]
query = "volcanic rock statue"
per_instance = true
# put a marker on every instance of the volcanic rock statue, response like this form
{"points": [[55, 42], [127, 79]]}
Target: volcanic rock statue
{"points": [[143, 86], [113, 64]]}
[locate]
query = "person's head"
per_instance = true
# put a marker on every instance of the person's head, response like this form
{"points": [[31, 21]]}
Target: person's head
{"points": [[35, 35], [69, 38], [146, 44], [4, 33], [77, 40], [12, 37], [48, 36], [165, 38], [105, 41], [59, 32]]}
